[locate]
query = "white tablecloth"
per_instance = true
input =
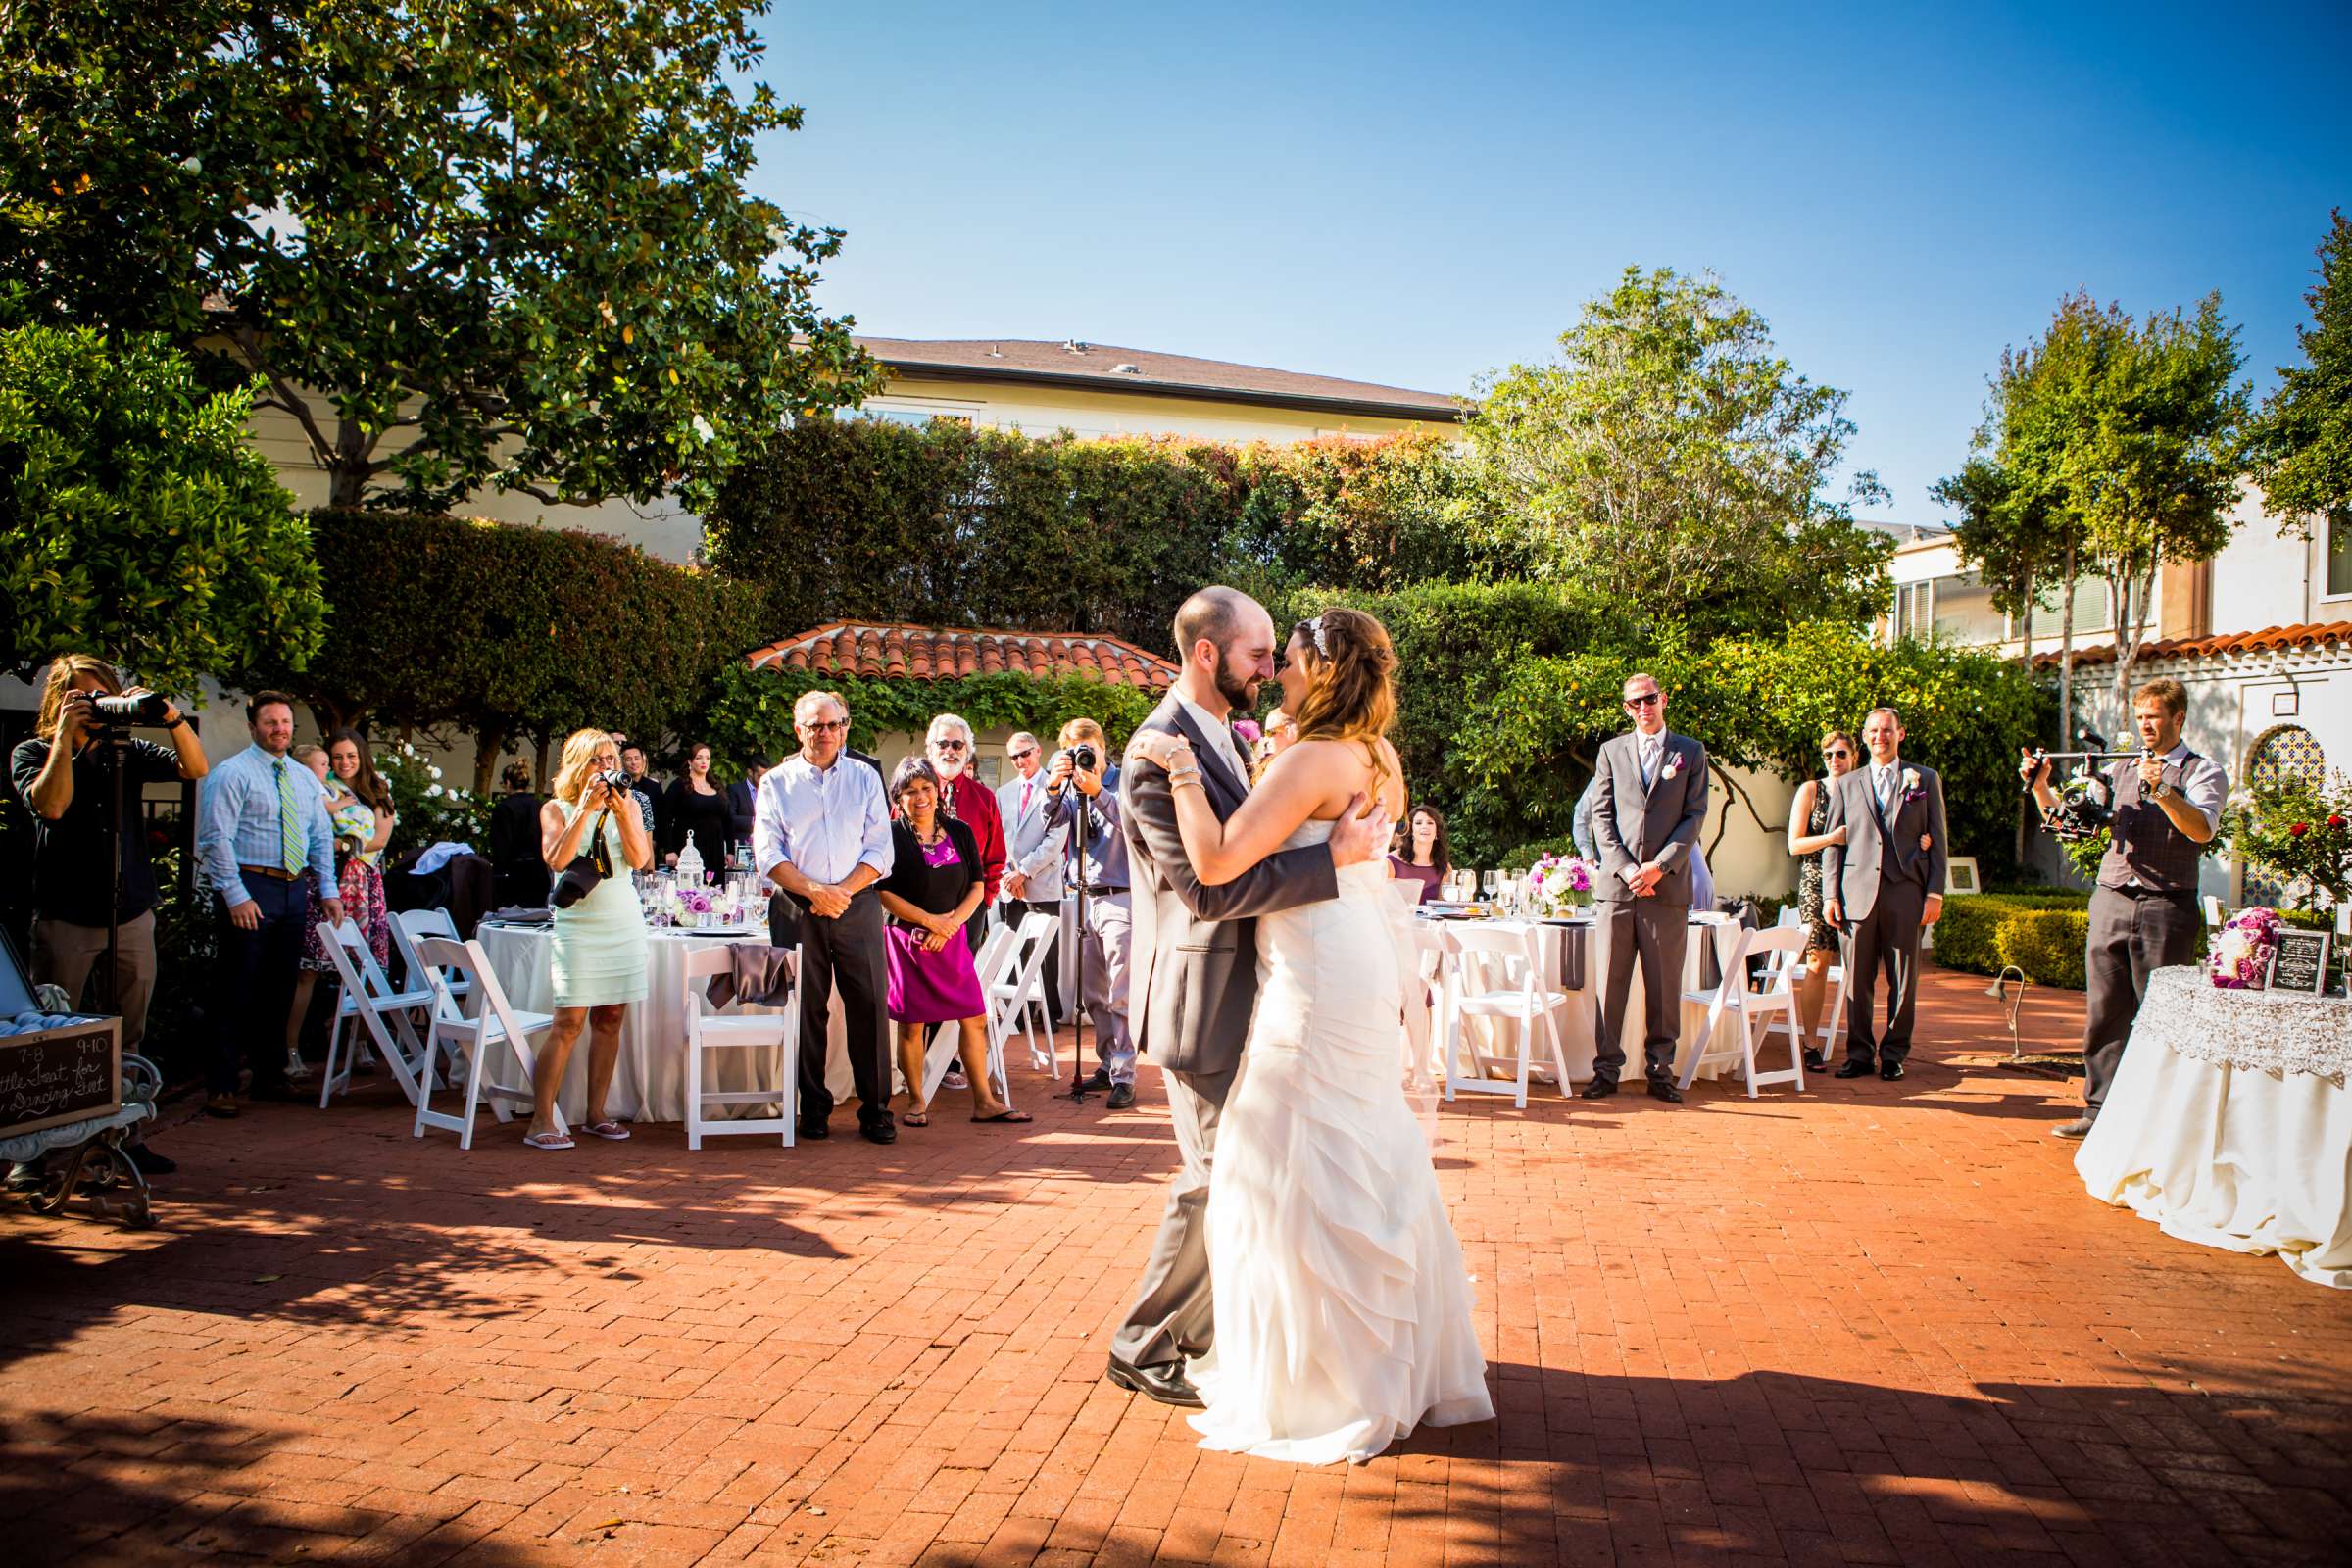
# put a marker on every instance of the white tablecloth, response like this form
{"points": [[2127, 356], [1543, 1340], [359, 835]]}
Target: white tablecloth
{"points": [[650, 1082], [1579, 1017], [2252, 1159]]}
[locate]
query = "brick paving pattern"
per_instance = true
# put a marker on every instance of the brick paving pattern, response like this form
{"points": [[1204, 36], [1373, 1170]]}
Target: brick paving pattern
{"points": [[1878, 1323]]}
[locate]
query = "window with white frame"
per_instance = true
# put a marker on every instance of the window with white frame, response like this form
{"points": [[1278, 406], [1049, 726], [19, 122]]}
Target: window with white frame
{"points": [[916, 412], [2339, 555]]}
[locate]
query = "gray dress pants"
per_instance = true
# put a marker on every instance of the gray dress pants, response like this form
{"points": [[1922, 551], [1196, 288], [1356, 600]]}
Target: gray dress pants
{"points": [[2132, 935], [1171, 1320], [1886, 943], [1654, 932]]}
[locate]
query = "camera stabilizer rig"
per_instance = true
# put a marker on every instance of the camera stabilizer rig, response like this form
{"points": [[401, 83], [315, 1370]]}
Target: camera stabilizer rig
{"points": [[1083, 759], [2086, 795]]}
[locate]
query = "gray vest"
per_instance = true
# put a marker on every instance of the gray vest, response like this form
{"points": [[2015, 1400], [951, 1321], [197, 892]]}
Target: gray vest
{"points": [[2145, 843]]}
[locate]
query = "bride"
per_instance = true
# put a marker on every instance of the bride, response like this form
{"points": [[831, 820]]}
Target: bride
{"points": [[1342, 1309]]}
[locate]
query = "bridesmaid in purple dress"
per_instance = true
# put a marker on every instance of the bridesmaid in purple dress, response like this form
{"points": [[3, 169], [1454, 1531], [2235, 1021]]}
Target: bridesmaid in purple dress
{"points": [[935, 886]]}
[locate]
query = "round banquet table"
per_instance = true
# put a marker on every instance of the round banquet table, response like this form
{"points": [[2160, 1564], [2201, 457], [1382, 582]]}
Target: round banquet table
{"points": [[649, 1083], [1571, 964], [2229, 1123]]}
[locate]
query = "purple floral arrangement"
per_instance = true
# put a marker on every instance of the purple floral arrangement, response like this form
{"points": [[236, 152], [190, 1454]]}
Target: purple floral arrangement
{"points": [[1248, 730], [1558, 882], [2241, 948], [693, 900]]}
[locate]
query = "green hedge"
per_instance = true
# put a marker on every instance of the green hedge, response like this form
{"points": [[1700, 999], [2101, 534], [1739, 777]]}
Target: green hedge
{"points": [[836, 520], [2042, 934]]}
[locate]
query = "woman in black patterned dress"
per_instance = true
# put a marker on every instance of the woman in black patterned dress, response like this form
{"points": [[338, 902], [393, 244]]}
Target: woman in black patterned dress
{"points": [[1810, 812]]}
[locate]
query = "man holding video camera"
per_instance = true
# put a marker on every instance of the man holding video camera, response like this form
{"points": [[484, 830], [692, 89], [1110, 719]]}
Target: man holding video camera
{"points": [[67, 775], [2143, 913], [1084, 795]]}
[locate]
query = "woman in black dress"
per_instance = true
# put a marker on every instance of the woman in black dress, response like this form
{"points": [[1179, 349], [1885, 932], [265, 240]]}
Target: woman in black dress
{"points": [[696, 809], [519, 874]]}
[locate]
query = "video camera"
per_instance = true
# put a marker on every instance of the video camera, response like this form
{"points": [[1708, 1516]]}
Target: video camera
{"points": [[2086, 795]]}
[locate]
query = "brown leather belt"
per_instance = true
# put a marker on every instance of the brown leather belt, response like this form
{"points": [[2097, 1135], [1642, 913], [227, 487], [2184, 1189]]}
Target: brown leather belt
{"points": [[275, 873]]}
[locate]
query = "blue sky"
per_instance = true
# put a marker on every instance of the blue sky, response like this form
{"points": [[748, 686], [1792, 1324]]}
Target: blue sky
{"points": [[1420, 194]]}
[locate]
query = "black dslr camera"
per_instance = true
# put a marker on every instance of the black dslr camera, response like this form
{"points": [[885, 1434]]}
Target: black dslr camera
{"points": [[148, 709]]}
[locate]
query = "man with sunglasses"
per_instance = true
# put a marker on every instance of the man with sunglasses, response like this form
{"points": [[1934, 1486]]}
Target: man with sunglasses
{"points": [[969, 802], [1649, 799], [821, 835], [1035, 848], [1882, 885]]}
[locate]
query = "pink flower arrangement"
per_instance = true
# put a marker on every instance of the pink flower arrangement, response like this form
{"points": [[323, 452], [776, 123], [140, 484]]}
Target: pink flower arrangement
{"points": [[1248, 730], [693, 900], [2241, 948], [1557, 883]]}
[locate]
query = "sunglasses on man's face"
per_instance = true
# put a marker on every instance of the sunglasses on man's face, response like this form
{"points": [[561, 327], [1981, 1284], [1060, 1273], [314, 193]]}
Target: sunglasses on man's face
{"points": [[825, 726], [1645, 700], [949, 746], [1023, 756]]}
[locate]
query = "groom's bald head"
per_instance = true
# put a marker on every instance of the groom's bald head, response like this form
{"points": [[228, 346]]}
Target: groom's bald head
{"points": [[1213, 615]]}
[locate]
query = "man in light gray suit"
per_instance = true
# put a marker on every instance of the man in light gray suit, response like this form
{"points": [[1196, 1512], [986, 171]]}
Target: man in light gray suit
{"points": [[1193, 973], [1033, 849], [1880, 888], [1649, 797]]}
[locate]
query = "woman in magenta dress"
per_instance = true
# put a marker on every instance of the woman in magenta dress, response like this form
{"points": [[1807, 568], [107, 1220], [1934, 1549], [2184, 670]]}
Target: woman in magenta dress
{"points": [[935, 886]]}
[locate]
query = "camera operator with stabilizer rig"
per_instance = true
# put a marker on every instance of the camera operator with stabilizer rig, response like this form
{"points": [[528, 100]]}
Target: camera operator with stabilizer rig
{"points": [[93, 883], [2166, 806], [1084, 795]]}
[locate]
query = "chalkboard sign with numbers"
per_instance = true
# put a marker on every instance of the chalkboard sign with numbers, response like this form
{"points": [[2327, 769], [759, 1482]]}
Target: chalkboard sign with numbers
{"points": [[67, 1073], [2299, 962]]}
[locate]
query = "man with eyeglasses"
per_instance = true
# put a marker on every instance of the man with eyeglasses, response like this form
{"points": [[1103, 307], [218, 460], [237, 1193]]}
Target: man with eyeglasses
{"points": [[969, 802], [1649, 799], [1034, 849], [821, 834]]}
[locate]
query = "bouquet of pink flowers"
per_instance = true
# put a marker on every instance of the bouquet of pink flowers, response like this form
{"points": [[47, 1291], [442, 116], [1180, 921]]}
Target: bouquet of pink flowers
{"points": [[2240, 959], [1558, 883]]}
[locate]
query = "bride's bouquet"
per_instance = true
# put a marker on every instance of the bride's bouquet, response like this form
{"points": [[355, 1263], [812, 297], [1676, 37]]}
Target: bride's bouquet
{"points": [[2240, 957], [1557, 884]]}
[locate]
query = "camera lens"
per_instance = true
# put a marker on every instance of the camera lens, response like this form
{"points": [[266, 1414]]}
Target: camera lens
{"points": [[146, 708]]}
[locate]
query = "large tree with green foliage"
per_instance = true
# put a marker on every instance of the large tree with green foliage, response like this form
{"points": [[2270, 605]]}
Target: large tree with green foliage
{"points": [[461, 242], [1672, 465], [2301, 443], [137, 522]]}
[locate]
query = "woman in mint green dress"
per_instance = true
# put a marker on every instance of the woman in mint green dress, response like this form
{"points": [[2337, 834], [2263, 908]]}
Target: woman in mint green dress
{"points": [[599, 957]]}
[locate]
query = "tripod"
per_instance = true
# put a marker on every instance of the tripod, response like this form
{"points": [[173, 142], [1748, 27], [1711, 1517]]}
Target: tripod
{"points": [[1075, 799]]}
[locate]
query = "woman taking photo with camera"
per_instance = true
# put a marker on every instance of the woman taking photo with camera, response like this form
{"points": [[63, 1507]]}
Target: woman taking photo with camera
{"points": [[935, 887], [599, 963]]}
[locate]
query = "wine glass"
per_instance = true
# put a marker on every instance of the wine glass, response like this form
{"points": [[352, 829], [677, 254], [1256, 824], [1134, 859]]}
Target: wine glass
{"points": [[1494, 881]]}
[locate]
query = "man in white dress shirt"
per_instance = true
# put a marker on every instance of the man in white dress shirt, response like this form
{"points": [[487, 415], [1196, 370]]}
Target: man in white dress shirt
{"points": [[821, 834], [1033, 848]]}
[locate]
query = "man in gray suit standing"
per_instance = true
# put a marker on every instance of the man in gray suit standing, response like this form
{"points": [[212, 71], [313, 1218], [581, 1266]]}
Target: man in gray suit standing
{"points": [[1193, 972], [1882, 889], [1649, 797]]}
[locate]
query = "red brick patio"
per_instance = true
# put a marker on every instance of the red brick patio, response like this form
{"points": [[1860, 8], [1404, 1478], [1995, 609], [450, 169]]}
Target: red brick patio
{"points": [[1877, 1323]]}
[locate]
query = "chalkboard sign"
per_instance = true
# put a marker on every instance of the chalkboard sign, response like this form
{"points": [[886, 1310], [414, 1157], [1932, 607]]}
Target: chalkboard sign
{"points": [[60, 1075], [2300, 961]]}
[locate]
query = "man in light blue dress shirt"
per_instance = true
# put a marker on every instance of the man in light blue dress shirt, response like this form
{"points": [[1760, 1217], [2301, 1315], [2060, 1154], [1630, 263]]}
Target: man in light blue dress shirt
{"points": [[264, 848], [821, 835]]}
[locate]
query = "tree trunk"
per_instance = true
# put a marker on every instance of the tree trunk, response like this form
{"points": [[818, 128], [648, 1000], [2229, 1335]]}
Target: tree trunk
{"points": [[2127, 649], [2025, 643], [539, 764], [490, 741], [346, 484], [2066, 658]]}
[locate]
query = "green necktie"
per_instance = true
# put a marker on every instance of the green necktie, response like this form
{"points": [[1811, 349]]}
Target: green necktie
{"points": [[296, 843]]}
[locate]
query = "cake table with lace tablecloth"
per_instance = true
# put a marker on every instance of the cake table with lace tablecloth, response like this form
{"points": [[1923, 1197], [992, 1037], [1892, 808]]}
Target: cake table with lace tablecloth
{"points": [[2229, 1124]]}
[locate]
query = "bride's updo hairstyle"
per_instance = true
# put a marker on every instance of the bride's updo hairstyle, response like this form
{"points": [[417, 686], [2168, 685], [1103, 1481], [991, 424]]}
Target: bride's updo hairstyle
{"points": [[1350, 681]]}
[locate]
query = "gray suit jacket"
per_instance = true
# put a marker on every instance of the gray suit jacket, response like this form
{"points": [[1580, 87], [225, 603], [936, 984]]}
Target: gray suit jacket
{"points": [[1633, 826], [1193, 953], [1033, 847], [1878, 850]]}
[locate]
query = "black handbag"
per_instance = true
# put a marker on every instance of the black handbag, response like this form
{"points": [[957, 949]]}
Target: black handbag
{"points": [[586, 870]]}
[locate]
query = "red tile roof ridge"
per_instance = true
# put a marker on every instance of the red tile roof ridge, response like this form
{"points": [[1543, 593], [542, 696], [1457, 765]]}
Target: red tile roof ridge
{"points": [[910, 650], [2266, 640]]}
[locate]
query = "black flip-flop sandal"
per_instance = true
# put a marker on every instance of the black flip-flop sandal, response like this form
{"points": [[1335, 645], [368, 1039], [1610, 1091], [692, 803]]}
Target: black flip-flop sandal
{"points": [[1007, 1114]]}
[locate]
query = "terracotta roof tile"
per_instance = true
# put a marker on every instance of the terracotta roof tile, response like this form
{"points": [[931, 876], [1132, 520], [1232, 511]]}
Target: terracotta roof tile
{"points": [[893, 652], [2268, 640]]}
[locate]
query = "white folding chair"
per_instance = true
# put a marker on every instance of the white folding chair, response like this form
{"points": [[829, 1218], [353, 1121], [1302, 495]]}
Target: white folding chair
{"points": [[1000, 951], [1476, 990], [1021, 985], [408, 926], [755, 1032], [382, 1012], [1755, 1009], [1826, 1033], [495, 1023]]}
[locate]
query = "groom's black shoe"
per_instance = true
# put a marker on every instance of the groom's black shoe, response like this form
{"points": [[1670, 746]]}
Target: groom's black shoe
{"points": [[1666, 1092], [1164, 1381], [1098, 1081], [1891, 1071], [1855, 1067], [1599, 1088], [1122, 1096]]}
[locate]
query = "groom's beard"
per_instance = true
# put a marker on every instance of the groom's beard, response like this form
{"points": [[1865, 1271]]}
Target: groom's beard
{"points": [[1237, 689]]}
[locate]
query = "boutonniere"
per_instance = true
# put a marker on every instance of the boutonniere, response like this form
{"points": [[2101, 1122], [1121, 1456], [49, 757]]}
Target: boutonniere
{"points": [[1674, 766], [1911, 789]]}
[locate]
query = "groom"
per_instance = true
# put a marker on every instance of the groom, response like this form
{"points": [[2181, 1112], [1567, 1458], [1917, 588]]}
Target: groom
{"points": [[1192, 976]]}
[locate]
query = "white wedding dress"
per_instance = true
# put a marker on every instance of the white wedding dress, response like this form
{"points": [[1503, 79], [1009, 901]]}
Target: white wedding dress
{"points": [[1343, 1309]]}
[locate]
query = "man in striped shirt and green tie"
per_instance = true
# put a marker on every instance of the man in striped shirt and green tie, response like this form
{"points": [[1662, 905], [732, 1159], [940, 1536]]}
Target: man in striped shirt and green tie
{"points": [[266, 849]]}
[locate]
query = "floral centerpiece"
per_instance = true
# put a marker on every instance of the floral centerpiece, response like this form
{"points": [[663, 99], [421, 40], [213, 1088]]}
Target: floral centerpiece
{"points": [[2240, 959], [1556, 884]]}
